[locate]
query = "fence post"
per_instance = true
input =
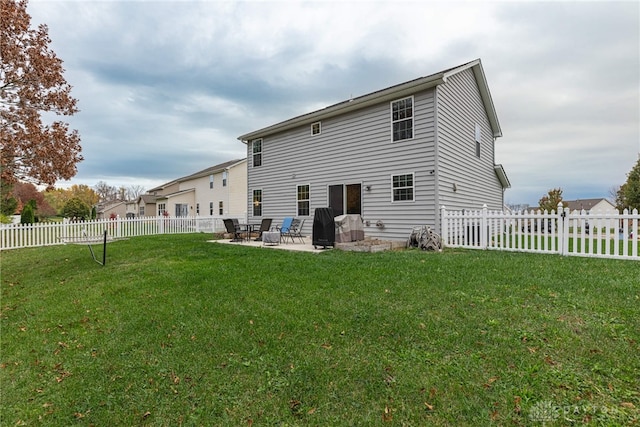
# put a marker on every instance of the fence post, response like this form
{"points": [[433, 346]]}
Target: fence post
{"points": [[118, 232], [444, 229], [484, 224], [65, 226], [563, 230]]}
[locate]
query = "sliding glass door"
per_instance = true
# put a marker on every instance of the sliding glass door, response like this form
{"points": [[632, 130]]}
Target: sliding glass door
{"points": [[345, 199]]}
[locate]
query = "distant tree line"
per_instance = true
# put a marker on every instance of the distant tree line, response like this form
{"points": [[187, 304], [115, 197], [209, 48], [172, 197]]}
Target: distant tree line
{"points": [[77, 201]]}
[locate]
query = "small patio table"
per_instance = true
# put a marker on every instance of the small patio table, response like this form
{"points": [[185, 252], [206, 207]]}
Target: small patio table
{"points": [[270, 238], [248, 229]]}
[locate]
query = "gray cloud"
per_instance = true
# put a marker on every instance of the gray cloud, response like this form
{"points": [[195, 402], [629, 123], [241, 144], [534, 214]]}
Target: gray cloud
{"points": [[166, 87]]}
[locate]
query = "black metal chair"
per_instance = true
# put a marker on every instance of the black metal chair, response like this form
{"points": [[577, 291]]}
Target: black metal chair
{"points": [[265, 225], [233, 230], [295, 231]]}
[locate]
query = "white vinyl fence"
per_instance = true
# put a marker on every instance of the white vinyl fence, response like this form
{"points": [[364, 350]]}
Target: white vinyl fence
{"points": [[13, 236], [593, 234]]}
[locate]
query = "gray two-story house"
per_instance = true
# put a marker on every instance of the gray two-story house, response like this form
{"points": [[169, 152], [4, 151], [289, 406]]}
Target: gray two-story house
{"points": [[394, 156]]}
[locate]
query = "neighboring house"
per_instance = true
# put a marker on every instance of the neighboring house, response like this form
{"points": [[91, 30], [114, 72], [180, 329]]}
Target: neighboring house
{"points": [[217, 191], [147, 205], [112, 209], [590, 205], [394, 156], [131, 208]]}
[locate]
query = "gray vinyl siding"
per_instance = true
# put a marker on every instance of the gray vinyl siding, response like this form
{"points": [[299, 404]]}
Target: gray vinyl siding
{"points": [[354, 148], [459, 109]]}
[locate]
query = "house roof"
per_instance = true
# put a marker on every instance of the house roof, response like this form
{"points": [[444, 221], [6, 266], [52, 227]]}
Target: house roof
{"points": [[502, 176], [389, 94], [162, 186], [177, 193], [147, 198], [211, 170], [111, 205], [586, 204], [205, 172]]}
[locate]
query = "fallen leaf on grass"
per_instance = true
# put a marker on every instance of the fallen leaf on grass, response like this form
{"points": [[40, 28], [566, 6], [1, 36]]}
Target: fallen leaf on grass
{"points": [[387, 416], [517, 408], [326, 346], [311, 411], [489, 382], [175, 378], [627, 405], [428, 406]]}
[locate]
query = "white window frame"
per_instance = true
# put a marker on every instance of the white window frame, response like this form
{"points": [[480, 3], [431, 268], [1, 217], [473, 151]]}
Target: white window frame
{"points": [[412, 187], [253, 205], [220, 208], [315, 125], [224, 178], [307, 200], [211, 181], [402, 117], [210, 208], [256, 153]]}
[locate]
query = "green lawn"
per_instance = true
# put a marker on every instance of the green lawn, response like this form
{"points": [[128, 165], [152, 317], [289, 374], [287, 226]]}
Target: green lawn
{"points": [[177, 331]]}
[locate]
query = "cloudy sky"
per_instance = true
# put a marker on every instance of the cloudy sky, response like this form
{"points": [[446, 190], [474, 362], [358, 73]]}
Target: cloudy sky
{"points": [[166, 87]]}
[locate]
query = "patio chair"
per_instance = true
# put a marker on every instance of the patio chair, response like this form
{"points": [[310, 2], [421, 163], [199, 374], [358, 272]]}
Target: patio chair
{"points": [[265, 225], [233, 230], [285, 228], [244, 234], [295, 231]]}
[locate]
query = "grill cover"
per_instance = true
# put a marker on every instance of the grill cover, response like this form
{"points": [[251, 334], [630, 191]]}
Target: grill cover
{"points": [[349, 228], [324, 228]]}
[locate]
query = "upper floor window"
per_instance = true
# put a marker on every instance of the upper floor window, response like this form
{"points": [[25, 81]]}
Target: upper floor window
{"points": [[478, 139], [303, 200], [402, 119], [257, 203], [316, 128], [224, 178], [210, 181], [402, 187], [257, 152]]}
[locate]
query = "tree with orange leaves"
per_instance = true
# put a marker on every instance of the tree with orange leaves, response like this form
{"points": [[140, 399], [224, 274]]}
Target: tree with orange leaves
{"points": [[32, 83]]}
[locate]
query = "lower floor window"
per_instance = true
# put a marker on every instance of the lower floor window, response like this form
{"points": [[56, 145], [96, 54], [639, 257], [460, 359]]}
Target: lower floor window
{"points": [[303, 200], [257, 203], [402, 187], [211, 208], [220, 208]]}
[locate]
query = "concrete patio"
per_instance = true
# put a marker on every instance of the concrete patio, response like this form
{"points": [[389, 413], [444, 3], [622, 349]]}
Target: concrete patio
{"points": [[305, 246]]}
